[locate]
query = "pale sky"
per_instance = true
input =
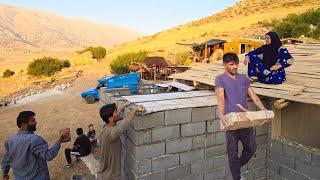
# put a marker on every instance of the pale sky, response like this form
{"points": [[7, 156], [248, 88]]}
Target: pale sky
{"points": [[144, 16]]}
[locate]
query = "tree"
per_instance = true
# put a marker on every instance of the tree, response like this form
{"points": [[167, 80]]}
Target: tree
{"points": [[7, 73]]}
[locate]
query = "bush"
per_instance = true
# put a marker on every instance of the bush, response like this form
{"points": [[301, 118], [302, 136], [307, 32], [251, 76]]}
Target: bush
{"points": [[122, 62], [97, 52], [65, 63], [46, 66], [181, 58], [296, 25], [7, 73]]}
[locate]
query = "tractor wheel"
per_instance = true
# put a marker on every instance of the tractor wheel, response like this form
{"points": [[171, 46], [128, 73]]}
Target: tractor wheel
{"points": [[89, 99]]}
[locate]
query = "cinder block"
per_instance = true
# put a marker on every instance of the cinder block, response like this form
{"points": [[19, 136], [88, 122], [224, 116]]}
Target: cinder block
{"points": [[179, 145], [282, 159], [193, 129], [213, 126], [297, 153], [215, 151], [148, 121], [309, 170], [261, 130], [273, 166], [149, 151], [139, 167], [256, 163], [193, 177], [315, 158], [260, 173], [276, 145], [273, 176], [152, 176], [178, 172], [219, 173], [201, 166], [220, 138], [165, 133], [210, 139], [291, 174], [261, 151], [191, 156], [221, 161], [261, 140], [198, 141], [139, 137], [165, 162], [203, 114], [178, 116]]}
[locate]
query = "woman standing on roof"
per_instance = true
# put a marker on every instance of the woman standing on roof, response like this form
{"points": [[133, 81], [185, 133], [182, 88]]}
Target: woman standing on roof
{"points": [[266, 64]]}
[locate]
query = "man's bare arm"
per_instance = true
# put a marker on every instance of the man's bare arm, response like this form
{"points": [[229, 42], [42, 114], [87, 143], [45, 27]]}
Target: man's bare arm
{"points": [[256, 100]]}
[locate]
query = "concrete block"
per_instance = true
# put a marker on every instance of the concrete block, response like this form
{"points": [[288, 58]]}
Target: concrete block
{"points": [[178, 172], [213, 126], [152, 176], [217, 112], [219, 173], [315, 158], [261, 130], [165, 162], [148, 121], [165, 133], [261, 151], [139, 137], [193, 129], [178, 116], [273, 166], [193, 177], [261, 140], [210, 139], [221, 138], [297, 153], [215, 151], [260, 173], [198, 141], [149, 151], [282, 159], [221, 161], [139, 167], [179, 145], [307, 169], [256, 163], [273, 176], [203, 114], [201, 166], [276, 145], [191, 156], [291, 174]]}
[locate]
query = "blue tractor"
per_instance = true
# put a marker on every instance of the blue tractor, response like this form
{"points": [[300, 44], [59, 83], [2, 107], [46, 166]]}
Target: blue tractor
{"points": [[130, 80]]}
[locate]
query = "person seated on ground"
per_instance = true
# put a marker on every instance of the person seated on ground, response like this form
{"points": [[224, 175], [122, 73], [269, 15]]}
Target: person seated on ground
{"points": [[269, 68], [92, 135], [81, 147], [109, 140]]}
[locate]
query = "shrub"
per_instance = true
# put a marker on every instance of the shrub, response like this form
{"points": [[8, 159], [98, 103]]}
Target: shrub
{"points": [[181, 58], [122, 62], [97, 52], [65, 63], [7, 73], [45, 66]]}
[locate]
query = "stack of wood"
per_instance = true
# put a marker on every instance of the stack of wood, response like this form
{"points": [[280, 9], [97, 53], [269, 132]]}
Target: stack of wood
{"points": [[302, 84]]}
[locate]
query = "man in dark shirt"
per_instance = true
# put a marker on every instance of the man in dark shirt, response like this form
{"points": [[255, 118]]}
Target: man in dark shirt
{"points": [[81, 147]]}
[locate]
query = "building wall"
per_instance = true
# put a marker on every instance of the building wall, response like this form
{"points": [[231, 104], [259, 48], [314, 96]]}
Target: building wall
{"points": [[188, 144], [234, 46]]}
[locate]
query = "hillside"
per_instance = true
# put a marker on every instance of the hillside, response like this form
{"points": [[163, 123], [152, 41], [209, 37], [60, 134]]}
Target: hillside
{"points": [[244, 19], [25, 32]]}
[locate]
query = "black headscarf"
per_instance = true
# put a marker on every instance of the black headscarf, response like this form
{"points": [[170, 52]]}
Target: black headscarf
{"points": [[270, 52]]}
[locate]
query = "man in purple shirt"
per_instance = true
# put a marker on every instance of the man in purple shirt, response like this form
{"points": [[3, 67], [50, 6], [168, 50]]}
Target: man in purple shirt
{"points": [[232, 89], [26, 153]]}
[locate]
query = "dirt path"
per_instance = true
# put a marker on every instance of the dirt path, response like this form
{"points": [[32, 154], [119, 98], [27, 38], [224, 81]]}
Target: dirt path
{"points": [[67, 110]]}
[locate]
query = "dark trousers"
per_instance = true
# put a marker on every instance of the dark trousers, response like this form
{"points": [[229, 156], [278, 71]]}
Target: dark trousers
{"points": [[68, 152], [247, 138]]}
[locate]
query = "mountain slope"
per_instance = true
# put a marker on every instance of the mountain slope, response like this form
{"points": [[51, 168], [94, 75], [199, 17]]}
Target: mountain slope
{"points": [[241, 20], [25, 30]]}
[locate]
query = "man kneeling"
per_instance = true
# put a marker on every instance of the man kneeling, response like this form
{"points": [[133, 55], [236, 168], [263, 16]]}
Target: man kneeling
{"points": [[81, 147]]}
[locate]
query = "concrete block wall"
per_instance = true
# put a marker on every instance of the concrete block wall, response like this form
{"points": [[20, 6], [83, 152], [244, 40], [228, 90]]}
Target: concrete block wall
{"points": [[184, 144], [289, 161]]}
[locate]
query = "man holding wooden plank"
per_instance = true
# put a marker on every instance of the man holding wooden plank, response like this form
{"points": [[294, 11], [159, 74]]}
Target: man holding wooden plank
{"points": [[232, 90]]}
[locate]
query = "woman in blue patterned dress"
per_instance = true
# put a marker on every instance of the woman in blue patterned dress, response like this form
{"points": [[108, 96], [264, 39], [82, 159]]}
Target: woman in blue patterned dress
{"points": [[266, 64]]}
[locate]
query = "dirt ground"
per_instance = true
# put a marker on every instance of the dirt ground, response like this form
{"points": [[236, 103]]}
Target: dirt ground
{"points": [[67, 110]]}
